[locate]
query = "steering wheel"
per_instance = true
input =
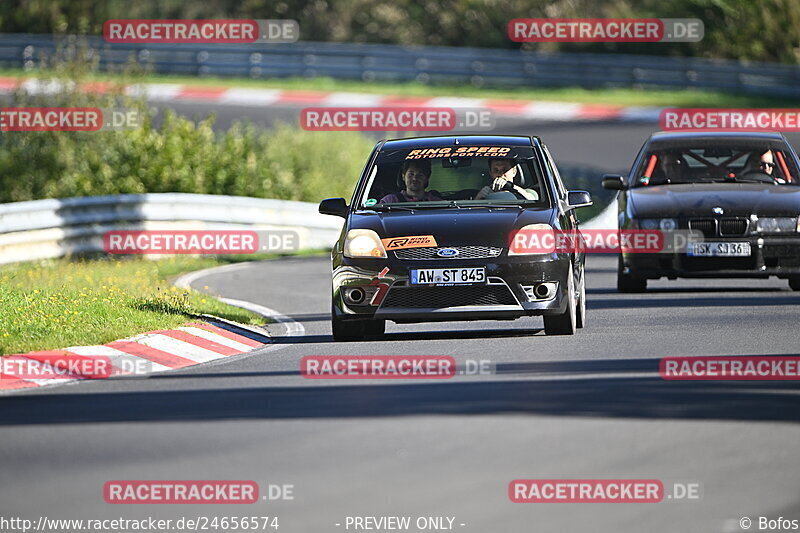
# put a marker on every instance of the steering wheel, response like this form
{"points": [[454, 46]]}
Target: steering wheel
{"points": [[760, 176], [503, 195]]}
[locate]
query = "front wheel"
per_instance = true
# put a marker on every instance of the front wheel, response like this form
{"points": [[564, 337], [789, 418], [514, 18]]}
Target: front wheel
{"points": [[566, 322], [629, 282], [345, 330], [374, 328], [794, 283], [355, 330], [580, 319]]}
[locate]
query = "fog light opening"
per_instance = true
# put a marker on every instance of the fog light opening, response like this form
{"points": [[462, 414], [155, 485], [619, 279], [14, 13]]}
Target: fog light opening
{"points": [[354, 296], [544, 291]]}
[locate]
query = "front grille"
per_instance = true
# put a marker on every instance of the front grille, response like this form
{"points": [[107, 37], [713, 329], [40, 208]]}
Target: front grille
{"points": [[464, 252], [710, 227], [442, 297], [707, 226], [733, 226]]}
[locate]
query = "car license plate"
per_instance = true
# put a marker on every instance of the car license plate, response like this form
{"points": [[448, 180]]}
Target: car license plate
{"points": [[719, 249], [448, 276]]}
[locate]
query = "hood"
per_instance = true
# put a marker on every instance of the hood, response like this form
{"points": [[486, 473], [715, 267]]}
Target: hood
{"points": [[698, 199], [453, 227]]}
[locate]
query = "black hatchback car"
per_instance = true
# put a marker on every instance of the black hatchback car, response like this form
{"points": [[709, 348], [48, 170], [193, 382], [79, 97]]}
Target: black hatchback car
{"points": [[739, 192], [427, 232]]}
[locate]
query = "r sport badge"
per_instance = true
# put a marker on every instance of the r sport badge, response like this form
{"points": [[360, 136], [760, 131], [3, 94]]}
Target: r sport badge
{"points": [[416, 241]]}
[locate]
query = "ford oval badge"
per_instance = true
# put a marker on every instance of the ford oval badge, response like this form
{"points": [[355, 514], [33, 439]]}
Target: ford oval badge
{"points": [[447, 252]]}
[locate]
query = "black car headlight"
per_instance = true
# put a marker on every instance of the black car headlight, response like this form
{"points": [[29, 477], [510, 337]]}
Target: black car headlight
{"points": [[778, 224], [664, 224], [363, 243], [533, 239]]}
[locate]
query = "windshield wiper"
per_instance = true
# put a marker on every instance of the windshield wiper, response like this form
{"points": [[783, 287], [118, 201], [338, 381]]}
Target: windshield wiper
{"points": [[672, 182], [739, 180], [488, 204], [452, 204], [387, 207]]}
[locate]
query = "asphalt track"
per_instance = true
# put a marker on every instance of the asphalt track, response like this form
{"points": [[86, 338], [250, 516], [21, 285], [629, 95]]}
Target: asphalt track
{"points": [[588, 406]]}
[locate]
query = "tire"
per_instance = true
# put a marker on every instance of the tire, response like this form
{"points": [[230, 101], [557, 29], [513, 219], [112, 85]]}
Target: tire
{"points": [[627, 282], [794, 283], [346, 330], [565, 323], [580, 317]]}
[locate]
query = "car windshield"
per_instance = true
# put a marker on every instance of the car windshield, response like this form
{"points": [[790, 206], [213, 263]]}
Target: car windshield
{"points": [[461, 176], [717, 161]]}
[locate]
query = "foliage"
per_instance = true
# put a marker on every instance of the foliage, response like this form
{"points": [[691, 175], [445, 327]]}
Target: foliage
{"points": [[168, 153], [767, 30]]}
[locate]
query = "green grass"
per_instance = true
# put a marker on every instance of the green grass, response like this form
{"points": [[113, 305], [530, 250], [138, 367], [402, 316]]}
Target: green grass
{"points": [[623, 97], [59, 303]]}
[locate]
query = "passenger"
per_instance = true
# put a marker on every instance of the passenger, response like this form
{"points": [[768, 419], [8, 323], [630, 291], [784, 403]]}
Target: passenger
{"points": [[416, 175], [670, 169], [672, 165]]}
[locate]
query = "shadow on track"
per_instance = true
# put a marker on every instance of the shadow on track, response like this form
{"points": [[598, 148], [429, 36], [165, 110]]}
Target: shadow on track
{"points": [[694, 290], [616, 366], [576, 388], [645, 301], [419, 335]]}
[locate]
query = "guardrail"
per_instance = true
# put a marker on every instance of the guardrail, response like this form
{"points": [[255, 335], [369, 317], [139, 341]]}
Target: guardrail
{"points": [[43, 229], [428, 64]]}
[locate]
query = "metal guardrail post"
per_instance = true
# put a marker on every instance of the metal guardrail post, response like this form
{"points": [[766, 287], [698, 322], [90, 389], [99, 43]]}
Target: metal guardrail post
{"points": [[485, 67]]}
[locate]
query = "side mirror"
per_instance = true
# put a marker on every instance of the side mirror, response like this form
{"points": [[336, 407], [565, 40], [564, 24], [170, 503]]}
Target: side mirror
{"points": [[614, 182], [333, 206], [579, 199]]}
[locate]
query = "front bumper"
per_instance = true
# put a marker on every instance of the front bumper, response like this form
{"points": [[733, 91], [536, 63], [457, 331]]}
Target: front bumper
{"points": [[508, 293], [770, 256]]}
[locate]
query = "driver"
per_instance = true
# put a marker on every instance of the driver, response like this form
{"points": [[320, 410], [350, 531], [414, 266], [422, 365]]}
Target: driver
{"points": [[503, 172], [763, 163], [416, 175]]}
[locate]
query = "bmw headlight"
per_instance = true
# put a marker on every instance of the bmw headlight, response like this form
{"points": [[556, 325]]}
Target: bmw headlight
{"points": [[363, 243], [664, 224], [777, 224]]}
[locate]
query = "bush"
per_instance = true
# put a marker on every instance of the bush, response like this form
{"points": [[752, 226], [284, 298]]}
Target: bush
{"points": [[170, 153], [181, 156]]}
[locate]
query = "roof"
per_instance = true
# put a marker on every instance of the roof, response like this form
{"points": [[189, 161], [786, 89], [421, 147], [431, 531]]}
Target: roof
{"points": [[738, 135], [455, 140]]}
